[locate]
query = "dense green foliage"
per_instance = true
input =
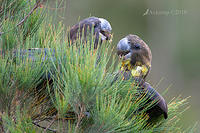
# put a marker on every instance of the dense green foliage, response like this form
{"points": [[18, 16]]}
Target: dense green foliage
{"points": [[83, 96]]}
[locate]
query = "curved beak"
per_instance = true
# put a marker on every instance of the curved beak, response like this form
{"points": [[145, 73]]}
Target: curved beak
{"points": [[105, 35], [124, 49]]}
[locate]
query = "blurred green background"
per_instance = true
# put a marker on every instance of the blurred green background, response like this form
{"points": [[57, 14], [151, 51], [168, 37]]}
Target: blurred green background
{"points": [[170, 28]]}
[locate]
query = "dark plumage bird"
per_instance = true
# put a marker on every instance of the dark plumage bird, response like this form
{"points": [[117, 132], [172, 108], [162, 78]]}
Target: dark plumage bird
{"points": [[136, 63], [136, 55], [100, 26], [158, 108]]}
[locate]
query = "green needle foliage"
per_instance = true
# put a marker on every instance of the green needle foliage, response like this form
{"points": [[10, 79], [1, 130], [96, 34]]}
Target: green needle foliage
{"points": [[80, 87]]}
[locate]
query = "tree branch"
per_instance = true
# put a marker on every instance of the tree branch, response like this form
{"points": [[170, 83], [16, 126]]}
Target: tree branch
{"points": [[50, 124], [46, 128], [32, 10], [37, 4]]}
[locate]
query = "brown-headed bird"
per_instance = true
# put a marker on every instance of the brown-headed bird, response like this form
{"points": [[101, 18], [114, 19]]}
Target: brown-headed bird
{"points": [[136, 63], [100, 26], [136, 55]]}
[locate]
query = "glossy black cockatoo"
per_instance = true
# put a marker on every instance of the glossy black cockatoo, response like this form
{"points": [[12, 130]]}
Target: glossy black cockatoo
{"points": [[136, 63], [100, 28]]}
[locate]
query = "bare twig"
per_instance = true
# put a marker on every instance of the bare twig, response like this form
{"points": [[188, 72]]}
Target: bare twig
{"points": [[80, 115], [50, 124], [49, 129], [32, 10], [37, 4]]}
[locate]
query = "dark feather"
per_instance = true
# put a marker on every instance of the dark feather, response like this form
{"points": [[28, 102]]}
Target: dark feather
{"points": [[83, 27], [159, 107]]}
